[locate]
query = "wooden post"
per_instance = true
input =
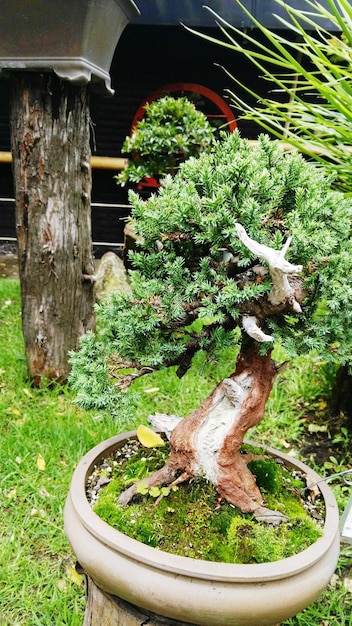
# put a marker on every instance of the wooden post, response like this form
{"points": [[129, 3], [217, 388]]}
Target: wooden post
{"points": [[52, 176]]}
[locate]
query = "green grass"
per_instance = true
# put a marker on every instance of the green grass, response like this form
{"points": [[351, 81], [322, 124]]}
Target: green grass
{"points": [[43, 435], [37, 582]]}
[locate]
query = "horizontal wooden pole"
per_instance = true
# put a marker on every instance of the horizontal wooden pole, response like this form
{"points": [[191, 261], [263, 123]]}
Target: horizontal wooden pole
{"points": [[108, 163], [5, 157], [97, 162], [120, 163]]}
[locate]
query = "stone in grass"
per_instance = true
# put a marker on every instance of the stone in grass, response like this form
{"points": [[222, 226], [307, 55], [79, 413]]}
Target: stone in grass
{"points": [[111, 277]]}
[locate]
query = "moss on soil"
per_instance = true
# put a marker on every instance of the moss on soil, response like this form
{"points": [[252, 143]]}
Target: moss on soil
{"points": [[190, 521]]}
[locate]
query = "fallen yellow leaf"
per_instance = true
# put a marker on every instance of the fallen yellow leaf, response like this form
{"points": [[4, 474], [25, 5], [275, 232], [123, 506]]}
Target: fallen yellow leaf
{"points": [[27, 392], [41, 463], [74, 576], [36, 512], [149, 438], [14, 411], [317, 428], [61, 584], [151, 390]]}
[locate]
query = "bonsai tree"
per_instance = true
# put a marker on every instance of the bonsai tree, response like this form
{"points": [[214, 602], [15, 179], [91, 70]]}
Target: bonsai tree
{"points": [[171, 131], [308, 105], [244, 245]]}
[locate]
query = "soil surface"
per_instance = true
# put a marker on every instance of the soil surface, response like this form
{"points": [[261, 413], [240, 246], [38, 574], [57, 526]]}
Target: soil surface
{"points": [[318, 446]]}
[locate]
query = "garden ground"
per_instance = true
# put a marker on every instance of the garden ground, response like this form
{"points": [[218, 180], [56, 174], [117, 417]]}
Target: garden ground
{"points": [[43, 435]]}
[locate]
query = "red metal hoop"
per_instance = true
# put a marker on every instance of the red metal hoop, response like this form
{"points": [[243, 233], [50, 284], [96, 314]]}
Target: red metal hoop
{"points": [[224, 109]]}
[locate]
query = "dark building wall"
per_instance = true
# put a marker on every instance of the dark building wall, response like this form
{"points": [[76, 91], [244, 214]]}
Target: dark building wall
{"points": [[146, 59]]}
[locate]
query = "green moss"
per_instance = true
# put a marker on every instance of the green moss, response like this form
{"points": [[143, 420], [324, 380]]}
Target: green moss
{"points": [[190, 522], [267, 474], [258, 543]]}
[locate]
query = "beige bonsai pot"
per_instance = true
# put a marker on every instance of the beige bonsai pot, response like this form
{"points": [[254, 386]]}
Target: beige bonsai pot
{"points": [[194, 591]]}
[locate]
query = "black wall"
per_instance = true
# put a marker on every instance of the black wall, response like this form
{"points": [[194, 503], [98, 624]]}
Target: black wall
{"points": [[146, 58]]}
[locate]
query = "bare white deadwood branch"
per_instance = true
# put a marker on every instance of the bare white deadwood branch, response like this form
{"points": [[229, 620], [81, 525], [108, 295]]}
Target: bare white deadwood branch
{"points": [[250, 325], [165, 423], [279, 268]]}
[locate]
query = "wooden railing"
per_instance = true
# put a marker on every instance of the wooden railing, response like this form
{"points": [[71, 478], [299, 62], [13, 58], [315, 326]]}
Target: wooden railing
{"points": [[97, 162]]}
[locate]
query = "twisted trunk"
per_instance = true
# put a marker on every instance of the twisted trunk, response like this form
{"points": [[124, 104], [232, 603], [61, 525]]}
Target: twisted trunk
{"points": [[208, 442]]}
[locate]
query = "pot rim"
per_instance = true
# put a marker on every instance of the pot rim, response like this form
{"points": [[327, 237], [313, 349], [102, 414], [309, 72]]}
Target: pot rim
{"points": [[180, 565]]}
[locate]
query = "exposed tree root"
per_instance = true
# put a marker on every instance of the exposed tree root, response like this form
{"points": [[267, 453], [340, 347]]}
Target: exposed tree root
{"points": [[165, 476]]}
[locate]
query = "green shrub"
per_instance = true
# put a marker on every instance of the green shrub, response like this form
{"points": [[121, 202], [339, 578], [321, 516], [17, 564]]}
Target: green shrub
{"points": [[171, 131]]}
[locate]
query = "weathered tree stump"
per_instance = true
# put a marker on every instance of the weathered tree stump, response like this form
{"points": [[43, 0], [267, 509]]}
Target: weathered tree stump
{"points": [[104, 609], [52, 176]]}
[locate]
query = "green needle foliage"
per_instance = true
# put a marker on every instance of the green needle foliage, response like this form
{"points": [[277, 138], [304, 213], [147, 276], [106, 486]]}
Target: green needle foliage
{"points": [[193, 279], [171, 131], [309, 76]]}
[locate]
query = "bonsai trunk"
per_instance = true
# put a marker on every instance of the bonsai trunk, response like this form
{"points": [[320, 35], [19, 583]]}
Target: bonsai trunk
{"points": [[51, 161], [208, 442]]}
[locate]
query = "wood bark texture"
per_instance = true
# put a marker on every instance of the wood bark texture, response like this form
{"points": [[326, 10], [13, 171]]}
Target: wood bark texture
{"points": [[51, 162]]}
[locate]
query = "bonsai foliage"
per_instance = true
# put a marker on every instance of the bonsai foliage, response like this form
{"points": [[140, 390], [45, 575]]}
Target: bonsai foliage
{"points": [[247, 245], [171, 131], [308, 71]]}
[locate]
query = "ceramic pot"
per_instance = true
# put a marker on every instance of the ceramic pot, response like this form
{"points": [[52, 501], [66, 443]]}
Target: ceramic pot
{"points": [[194, 591], [75, 38]]}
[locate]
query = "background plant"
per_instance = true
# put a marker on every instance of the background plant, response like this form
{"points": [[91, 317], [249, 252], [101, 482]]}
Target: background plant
{"points": [[171, 130], [309, 79]]}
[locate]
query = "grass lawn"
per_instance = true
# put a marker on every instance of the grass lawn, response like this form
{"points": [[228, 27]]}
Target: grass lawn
{"points": [[43, 435]]}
